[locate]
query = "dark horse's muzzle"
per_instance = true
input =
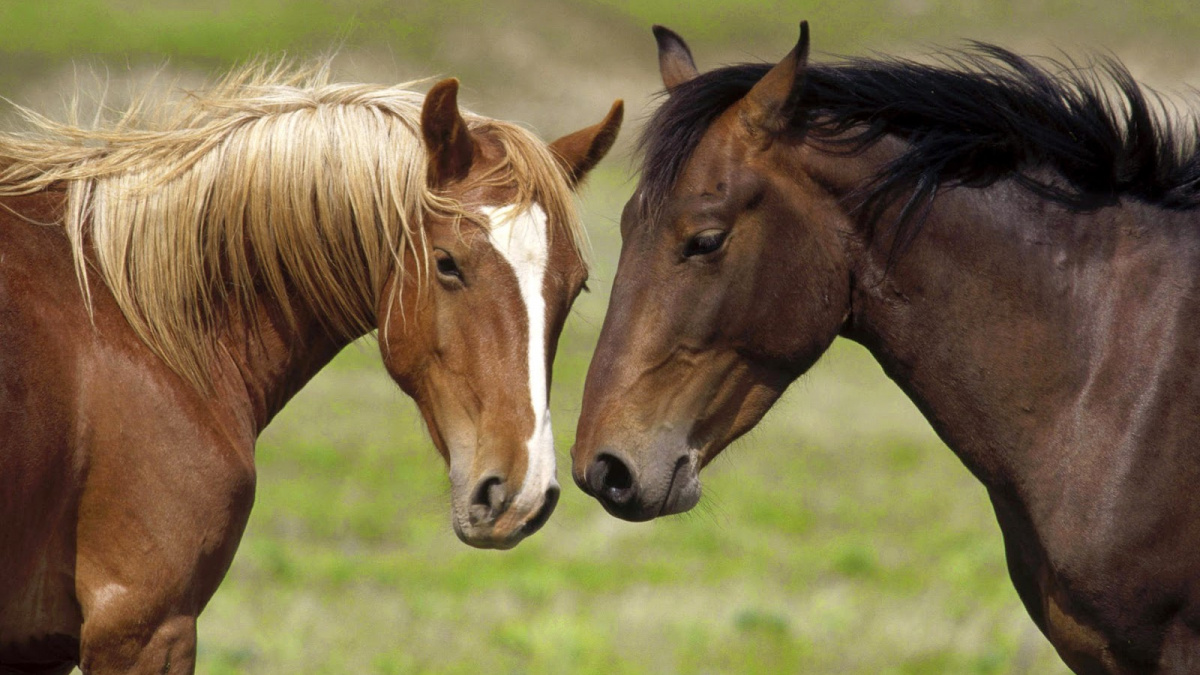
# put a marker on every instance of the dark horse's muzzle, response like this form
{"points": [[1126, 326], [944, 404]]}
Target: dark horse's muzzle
{"points": [[641, 493]]}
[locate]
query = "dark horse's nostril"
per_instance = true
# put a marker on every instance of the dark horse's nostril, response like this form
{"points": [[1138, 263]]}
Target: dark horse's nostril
{"points": [[488, 501], [610, 479]]}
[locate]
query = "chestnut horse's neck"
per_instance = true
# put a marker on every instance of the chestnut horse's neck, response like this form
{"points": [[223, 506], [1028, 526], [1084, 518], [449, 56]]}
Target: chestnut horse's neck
{"points": [[1023, 329], [274, 359]]}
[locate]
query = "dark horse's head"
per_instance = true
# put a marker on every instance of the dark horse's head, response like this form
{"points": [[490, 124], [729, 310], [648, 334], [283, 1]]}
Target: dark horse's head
{"points": [[732, 281], [773, 197]]}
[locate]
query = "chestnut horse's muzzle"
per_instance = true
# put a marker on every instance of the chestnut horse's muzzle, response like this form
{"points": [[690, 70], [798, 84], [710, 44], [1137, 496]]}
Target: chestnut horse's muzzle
{"points": [[494, 520]]}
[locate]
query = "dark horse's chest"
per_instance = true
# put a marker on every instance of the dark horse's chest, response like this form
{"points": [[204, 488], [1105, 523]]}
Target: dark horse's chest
{"points": [[1101, 533]]}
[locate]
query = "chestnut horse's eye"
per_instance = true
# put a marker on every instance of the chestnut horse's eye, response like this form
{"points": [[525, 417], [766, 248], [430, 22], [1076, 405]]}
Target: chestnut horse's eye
{"points": [[446, 266], [704, 243]]}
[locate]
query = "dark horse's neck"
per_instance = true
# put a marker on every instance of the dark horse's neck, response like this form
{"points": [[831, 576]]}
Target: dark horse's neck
{"points": [[1054, 351], [1024, 330]]}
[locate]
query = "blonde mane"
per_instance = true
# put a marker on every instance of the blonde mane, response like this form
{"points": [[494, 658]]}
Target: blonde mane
{"points": [[273, 181]]}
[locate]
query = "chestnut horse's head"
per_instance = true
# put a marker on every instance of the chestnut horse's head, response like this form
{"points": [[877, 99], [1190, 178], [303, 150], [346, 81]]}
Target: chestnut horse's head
{"points": [[732, 281], [471, 333]]}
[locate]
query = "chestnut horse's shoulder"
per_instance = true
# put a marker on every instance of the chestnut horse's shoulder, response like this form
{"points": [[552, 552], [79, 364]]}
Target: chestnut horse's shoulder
{"points": [[36, 425], [41, 310], [85, 404]]}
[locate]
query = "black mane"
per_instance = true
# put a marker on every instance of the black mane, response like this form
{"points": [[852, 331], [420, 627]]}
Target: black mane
{"points": [[985, 114]]}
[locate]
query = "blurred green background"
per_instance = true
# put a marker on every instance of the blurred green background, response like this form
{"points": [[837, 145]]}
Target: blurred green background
{"points": [[839, 537]]}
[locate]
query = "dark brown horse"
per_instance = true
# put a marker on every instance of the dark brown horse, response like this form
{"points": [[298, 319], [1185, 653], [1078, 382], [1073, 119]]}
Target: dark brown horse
{"points": [[1019, 249], [165, 290]]}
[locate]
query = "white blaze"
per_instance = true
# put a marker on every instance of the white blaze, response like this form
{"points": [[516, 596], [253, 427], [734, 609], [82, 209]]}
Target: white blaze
{"points": [[521, 240]]}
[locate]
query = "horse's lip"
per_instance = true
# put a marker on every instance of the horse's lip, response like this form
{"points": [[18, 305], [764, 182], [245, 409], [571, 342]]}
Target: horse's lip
{"points": [[543, 514], [672, 495]]}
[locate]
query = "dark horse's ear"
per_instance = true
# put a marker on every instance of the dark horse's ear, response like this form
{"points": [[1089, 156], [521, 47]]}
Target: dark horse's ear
{"points": [[449, 143], [768, 107], [582, 150], [674, 58]]}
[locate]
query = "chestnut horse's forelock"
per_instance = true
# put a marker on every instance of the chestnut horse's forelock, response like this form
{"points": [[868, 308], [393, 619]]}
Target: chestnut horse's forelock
{"points": [[274, 179]]}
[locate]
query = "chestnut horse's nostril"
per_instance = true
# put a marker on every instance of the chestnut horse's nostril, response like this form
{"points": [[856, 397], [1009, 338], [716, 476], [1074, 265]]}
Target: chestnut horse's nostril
{"points": [[610, 479], [539, 519], [488, 501]]}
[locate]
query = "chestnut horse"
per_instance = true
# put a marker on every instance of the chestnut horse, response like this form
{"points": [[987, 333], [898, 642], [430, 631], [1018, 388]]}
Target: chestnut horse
{"points": [[169, 283], [1019, 248]]}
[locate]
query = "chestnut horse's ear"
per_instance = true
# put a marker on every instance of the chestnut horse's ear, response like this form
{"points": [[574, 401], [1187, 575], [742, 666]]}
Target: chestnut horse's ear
{"points": [[674, 58], [447, 140], [768, 107], [581, 151]]}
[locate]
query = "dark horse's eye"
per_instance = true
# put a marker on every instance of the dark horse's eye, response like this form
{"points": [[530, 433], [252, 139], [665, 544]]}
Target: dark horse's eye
{"points": [[446, 266], [708, 241]]}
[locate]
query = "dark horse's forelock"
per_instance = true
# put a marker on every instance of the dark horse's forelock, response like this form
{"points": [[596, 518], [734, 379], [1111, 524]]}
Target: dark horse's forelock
{"points": [[983, 114]]}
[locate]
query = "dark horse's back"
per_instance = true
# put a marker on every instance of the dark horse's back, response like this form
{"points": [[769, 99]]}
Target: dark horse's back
{"points": [[41, 318]]}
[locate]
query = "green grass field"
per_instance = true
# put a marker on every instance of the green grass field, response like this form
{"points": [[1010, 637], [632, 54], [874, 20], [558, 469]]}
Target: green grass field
{"points": [[839, 537]]}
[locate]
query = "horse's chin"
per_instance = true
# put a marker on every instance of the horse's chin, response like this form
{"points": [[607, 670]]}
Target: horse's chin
{"points": [[492, 537], [488, 540]]}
